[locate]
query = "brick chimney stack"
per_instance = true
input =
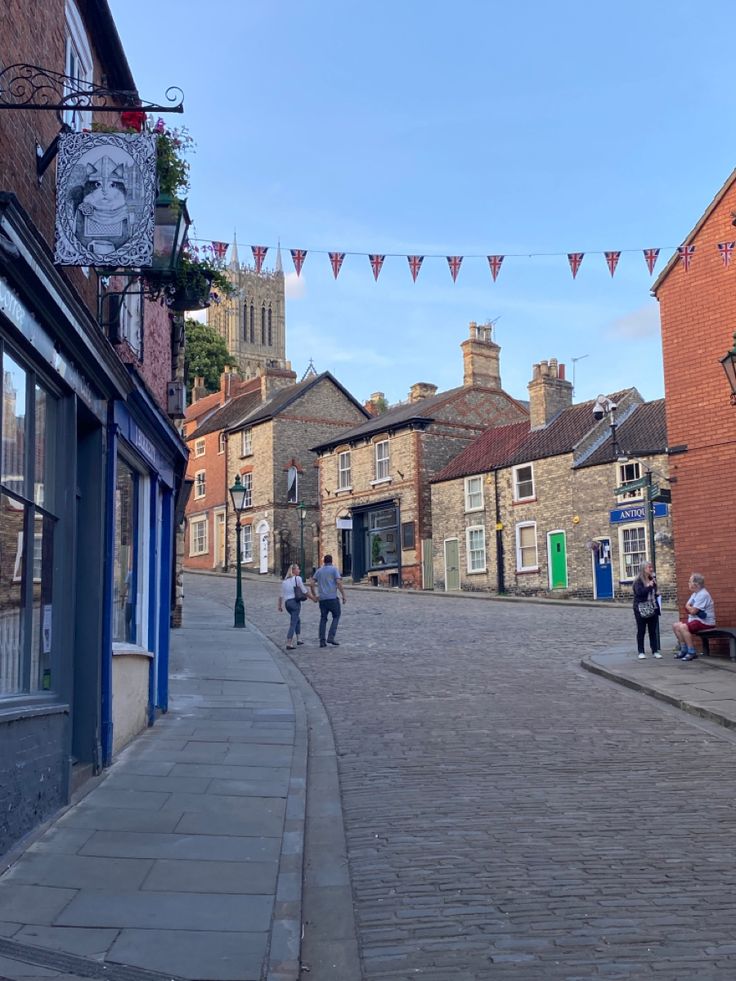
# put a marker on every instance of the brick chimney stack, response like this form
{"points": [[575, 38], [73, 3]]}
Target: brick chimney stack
{"points": [[421, 390], [481, 357], [198, 389], [549, 392], [273, 378]]}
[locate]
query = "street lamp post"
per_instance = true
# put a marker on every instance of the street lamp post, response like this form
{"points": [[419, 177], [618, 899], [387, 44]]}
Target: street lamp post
{"points": [[237, 493], [302, 519]]}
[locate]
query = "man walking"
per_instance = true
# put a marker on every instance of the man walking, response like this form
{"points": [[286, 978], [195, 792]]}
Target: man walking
{"points": [[329, 584]]}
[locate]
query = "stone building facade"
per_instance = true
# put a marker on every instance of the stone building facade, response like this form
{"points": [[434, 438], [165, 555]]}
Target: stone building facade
{"points": [[253, 321], [698, 318], [534, 511], [264, 436], [376, 512]]}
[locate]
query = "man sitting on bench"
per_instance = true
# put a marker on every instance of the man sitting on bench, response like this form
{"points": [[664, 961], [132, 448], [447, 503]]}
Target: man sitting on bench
{"points": [[701, 614]]}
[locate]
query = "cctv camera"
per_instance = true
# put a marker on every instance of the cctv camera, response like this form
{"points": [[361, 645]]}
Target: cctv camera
{"points": [[598, 412]]}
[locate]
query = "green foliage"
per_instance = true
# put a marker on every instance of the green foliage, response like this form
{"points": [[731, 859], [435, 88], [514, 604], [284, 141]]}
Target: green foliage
{"points": [[206, 354]]}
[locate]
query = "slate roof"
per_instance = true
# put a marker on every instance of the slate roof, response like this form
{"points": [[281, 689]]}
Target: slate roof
{"points": [[401, 416], [250, 409], [507, 446], [643, 433]]}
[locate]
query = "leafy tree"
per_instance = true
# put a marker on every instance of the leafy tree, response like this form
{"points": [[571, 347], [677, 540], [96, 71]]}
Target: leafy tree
{"points": [[206, 354]]}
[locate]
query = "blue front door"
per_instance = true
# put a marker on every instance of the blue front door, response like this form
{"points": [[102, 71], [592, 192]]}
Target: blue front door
{"points": [[602, 569]]}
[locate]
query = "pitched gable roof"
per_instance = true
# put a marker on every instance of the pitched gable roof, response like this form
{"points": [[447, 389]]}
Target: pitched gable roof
{"points": [[687, 241], [228, 414], [489, 451], [643, 433], [422, 411]]}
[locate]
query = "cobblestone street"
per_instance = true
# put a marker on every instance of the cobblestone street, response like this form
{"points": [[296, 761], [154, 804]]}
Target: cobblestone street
{"points": [[507, 814]]}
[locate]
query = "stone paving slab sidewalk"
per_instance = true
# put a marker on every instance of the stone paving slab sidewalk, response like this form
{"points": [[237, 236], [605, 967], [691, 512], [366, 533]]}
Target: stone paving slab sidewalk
{"points": [[705, 687], [185, 858]]}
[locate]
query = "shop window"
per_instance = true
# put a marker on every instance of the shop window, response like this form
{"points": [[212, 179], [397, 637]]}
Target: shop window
{"points": [[633, 550], [26, 530], [526, 547], [475, 540], [473, 493], [125, 556], [382, 538], [344, 474], [523, 478], [198, 544]]}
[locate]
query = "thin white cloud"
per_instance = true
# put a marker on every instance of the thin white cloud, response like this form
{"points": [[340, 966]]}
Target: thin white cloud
{"points": [[294, 286], [640, 323]]}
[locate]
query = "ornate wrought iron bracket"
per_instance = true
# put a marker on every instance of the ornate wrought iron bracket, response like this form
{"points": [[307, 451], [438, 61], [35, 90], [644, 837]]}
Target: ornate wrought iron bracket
{"points": [[25, 86]]}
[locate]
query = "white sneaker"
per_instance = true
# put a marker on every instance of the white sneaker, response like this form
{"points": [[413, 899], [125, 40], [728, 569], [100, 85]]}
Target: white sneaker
{"points": [[657, 654], [642, 656]]}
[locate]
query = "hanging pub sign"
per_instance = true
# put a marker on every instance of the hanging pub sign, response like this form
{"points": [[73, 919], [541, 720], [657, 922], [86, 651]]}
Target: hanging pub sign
{"points": [[105, 199]]}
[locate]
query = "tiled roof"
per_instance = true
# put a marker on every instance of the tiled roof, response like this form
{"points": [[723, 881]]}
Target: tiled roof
{"points": [[228, 415], [401, 416], [644, 432], [490, 450]]}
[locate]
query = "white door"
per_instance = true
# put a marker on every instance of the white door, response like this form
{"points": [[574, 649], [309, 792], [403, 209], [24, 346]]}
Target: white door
{"points": [[219, 555], [262, 531]]}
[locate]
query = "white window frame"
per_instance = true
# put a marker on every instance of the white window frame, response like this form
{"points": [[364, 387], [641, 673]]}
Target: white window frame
{"points": [[292, 490], [131, 322], [77, 63], [198, 542], [477, 566], [200, 447], [246, 442], [221, 443], [200, 484], [520, 567], [516, 482], [344, 471], [642, 553], [247, 482], [627, 472], [474, 493], [382, 458], [246, 543]]}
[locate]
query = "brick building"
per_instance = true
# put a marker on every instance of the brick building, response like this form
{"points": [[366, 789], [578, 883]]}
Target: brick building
{"points": [[264, 435], [531, 509], [91, 462], [376, 514], [698, 317]]}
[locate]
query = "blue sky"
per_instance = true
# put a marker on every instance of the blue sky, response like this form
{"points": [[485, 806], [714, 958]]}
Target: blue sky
{"points": [[472, 128]]}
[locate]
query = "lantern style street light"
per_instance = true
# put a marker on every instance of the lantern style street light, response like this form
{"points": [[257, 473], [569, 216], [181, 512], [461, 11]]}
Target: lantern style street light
{"points": [[169, 233], [238, 493], [302, 519], [729, 366]]}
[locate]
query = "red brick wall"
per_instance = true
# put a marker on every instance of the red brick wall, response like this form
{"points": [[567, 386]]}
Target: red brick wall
{"points": [[216, 496], [698, 313]]}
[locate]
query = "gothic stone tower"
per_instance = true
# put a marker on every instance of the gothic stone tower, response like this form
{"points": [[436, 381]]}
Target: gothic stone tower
{"points": [[253, 321]]}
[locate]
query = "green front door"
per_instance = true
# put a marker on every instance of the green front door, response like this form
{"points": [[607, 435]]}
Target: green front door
{"points": [[452, 565], [557, 560]]}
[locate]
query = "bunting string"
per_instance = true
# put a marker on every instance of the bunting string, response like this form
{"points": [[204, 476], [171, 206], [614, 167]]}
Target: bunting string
{"points": [[686, 254]]}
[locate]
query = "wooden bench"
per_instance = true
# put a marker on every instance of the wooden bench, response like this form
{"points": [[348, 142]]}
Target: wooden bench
{"points": [[719, 633]]}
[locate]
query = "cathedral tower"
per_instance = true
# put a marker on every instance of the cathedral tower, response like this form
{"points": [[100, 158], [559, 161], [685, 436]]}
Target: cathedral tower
{"points": [[253, 320]]}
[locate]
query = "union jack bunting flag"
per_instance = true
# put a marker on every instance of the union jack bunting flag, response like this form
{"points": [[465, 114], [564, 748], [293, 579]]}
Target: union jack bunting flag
{"points": [[298, 256], [259, 254], [726, 248], [575, 259], [454, 262], [336, 259], [686, 253], [415, 264], [494, 261], [651, 256], [376, 263], [220, 249], [612, 260]]}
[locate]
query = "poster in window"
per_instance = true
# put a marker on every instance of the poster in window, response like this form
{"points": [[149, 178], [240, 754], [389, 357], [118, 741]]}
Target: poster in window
{"points": [[105, 199]]}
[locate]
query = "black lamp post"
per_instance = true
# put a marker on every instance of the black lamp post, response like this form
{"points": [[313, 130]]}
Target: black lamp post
{"points": [[302, 519], [237, 493], [729, 366]]}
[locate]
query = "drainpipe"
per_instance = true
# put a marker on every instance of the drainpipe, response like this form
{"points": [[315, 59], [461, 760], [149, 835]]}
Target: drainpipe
{"points": [[106, 667], [500, 573]]}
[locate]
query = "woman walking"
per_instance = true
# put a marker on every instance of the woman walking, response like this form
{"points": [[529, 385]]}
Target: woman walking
{"points": [[291, 586], [646, 610]]}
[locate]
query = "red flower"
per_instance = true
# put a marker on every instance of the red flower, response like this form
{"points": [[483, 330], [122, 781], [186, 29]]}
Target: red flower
{"points": [[133, 119]]}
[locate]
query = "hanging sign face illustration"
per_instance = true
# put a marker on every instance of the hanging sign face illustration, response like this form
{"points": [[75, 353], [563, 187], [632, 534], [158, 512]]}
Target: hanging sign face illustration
{"points": [[105, 199]]}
